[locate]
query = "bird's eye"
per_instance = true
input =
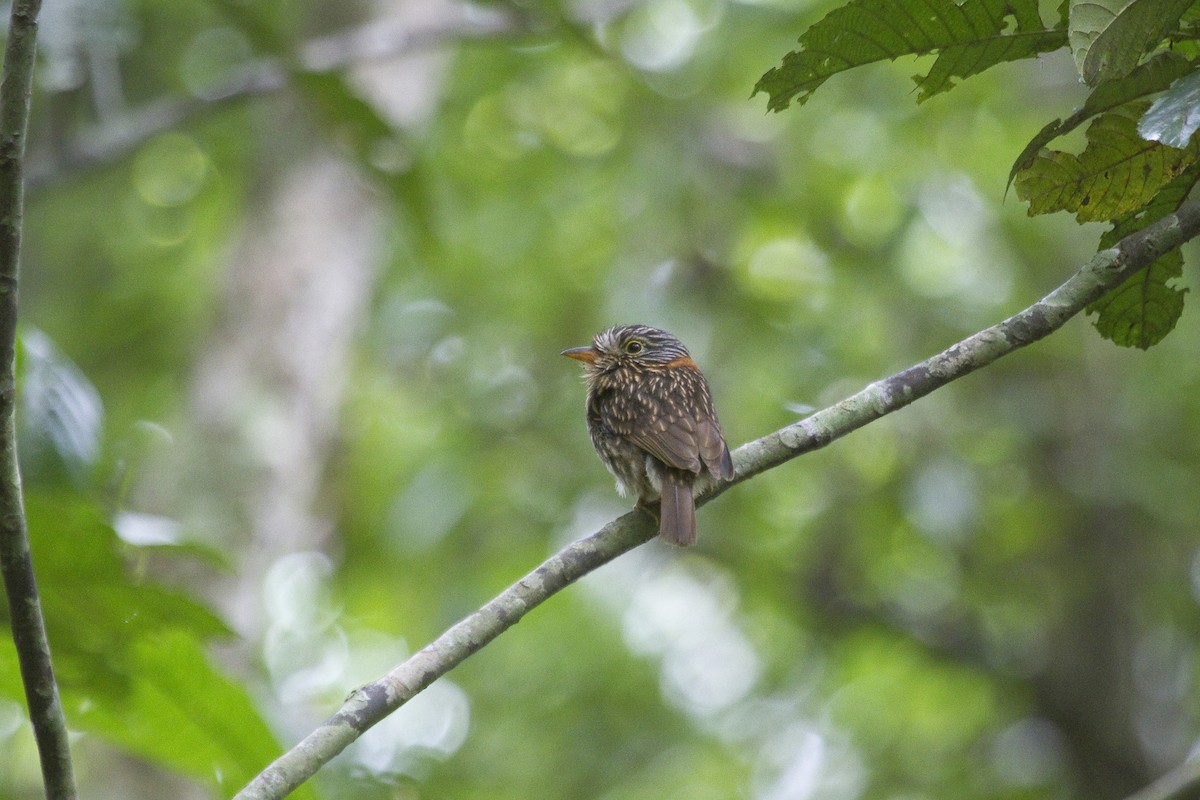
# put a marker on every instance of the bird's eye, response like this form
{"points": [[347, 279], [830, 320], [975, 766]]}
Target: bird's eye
{"points": [[633, 348]]}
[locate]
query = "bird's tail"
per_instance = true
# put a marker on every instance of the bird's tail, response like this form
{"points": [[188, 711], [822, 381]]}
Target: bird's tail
{"points": [[677, 519]]}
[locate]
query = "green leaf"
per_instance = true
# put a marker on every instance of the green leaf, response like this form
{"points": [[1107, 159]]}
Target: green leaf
{"points": [[1167, 201], [1150, 78], [1174, 117], [129, 656], [968, 38], [178, 710], [1144, 309], [1088, 19], [993, 46], [1109, 37], [1117, 173]]}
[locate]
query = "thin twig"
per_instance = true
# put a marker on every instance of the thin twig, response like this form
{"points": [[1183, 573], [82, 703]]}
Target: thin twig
{"points": [[374, 701], [16, 564], [115, 136]]}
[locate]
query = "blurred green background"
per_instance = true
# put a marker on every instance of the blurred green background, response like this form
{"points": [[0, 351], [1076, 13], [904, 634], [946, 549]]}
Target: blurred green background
{"points": [[295, 280]]}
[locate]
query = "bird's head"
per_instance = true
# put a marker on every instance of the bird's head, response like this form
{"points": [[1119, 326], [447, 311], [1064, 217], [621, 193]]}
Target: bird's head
{"points": [[631, 346]]}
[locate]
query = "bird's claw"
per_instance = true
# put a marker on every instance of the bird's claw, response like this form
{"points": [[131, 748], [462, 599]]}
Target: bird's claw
{"points": [[649, 508]]}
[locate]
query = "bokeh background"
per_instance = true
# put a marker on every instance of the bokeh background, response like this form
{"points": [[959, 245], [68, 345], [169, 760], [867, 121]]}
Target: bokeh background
{"points": [[295, 280]]}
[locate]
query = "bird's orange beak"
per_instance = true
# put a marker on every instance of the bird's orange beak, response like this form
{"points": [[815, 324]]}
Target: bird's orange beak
{"points": [[585, 354]]}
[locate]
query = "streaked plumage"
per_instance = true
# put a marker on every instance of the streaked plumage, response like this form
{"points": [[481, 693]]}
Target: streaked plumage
{"points": [[651, 419]]}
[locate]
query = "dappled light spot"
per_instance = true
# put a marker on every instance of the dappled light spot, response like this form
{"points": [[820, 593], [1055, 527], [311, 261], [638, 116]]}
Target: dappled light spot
{"points": [[788, 268], [147, 530], [488, 129], [159, 227], [900, 697], [212, 61], [661, 35], [914, 576], [687, 622], [943, 501], [305, 652], [169, 170], [872, 210], [805, 761], [296, 592], [428, 507], [12, 718], [852, 137], [305, 665], [950, 250], [582, 132], [433, 724], [1164, 664], [411, 327], [1028, 753]]}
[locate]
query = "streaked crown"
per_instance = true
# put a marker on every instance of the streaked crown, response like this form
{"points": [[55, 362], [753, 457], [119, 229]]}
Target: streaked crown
{"points": [[639, 343]]}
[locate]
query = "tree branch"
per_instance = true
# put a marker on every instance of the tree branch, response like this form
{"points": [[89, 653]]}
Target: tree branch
{"points": [[1181, 782], [374, 701], [16, 565], [117, 135]]}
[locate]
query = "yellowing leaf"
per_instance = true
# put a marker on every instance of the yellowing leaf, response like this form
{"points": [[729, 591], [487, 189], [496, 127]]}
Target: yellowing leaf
{"points": [[1144, 309], [1150, 78], [1117, 173]]}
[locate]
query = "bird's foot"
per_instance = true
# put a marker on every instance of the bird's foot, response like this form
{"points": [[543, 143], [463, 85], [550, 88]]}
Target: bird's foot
{"points": [[649, 508]]}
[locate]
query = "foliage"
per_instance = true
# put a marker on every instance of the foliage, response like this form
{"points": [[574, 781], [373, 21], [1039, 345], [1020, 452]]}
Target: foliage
{"points": [[297, 377], [967, 37], [1133, 150]]}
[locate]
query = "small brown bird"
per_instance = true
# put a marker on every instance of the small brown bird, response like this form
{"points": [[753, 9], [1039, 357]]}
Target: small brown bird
{"points": [[651, 419]]}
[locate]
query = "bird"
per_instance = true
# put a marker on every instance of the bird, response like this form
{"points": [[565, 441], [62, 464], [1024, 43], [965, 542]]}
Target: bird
{"points": [[651, 419]]}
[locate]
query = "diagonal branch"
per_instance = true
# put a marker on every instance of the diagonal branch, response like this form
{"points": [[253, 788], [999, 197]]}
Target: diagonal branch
{"points": [[1178, 784], [25, 610], [374, 701]]}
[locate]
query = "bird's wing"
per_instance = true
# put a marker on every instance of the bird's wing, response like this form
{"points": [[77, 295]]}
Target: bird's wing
{"points": [[713, 450], [682, 431], [671, 438], [675, 423]]}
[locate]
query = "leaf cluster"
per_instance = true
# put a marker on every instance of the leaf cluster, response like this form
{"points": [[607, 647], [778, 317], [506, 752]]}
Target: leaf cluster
{"points": [[131, 656], [1139, 158]]}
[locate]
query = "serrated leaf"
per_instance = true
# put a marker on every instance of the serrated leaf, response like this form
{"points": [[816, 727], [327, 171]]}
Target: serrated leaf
{"points": [[1174, 117], [1109, 37], [1150, 78], [995, 47], [1167, 201], [1117, 173], [968, 38]]}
